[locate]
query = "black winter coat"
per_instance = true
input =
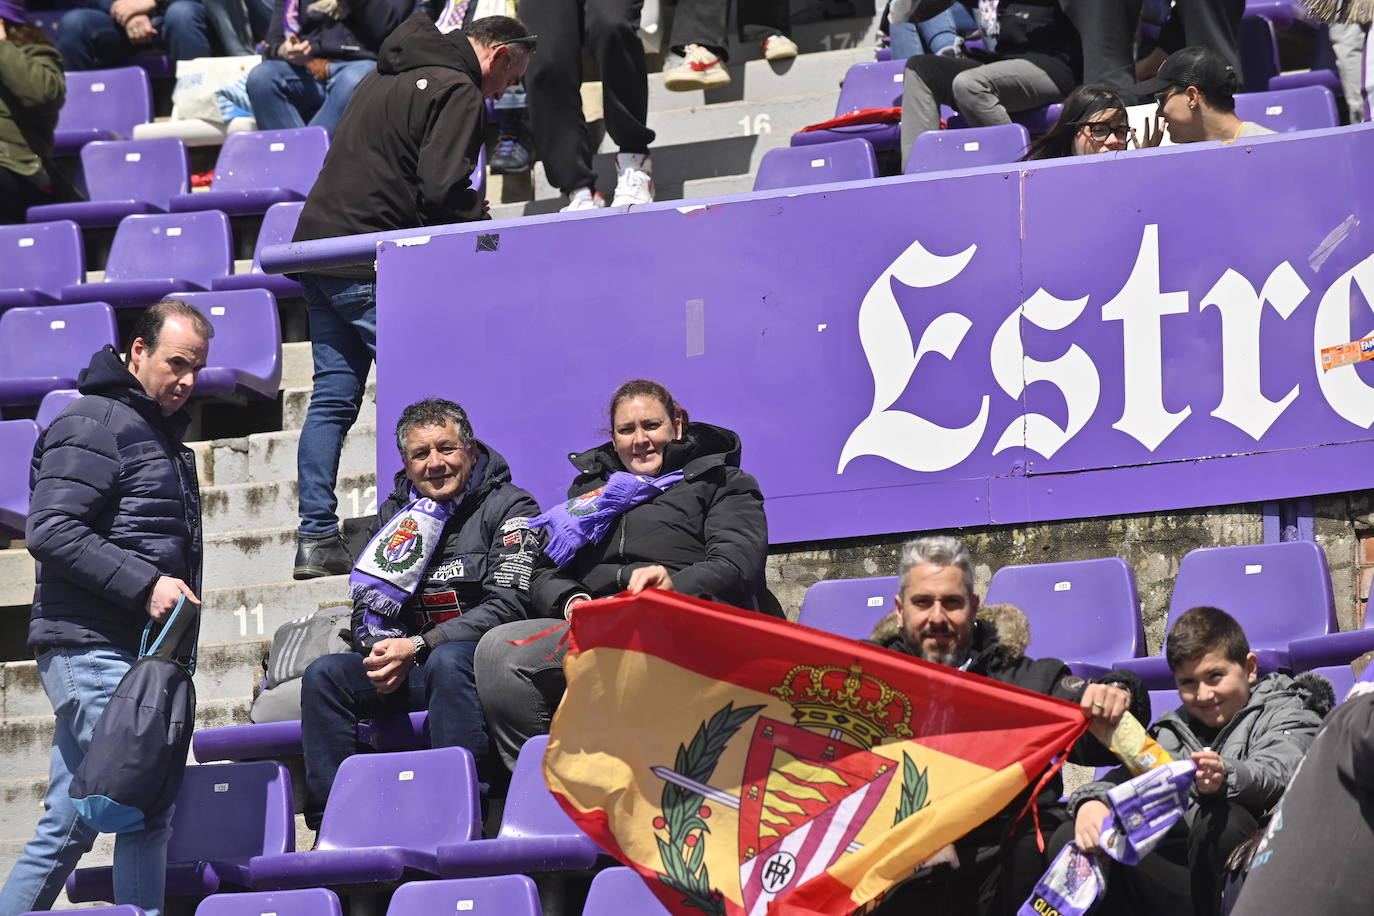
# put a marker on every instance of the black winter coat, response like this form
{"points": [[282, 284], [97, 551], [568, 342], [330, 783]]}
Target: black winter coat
{"points": [[114, 504], [708, 531], [480, 574], [404, 151]]}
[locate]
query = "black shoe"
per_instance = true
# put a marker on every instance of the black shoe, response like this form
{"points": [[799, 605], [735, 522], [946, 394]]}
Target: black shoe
{"points": [[511, 157], [323, 557]]}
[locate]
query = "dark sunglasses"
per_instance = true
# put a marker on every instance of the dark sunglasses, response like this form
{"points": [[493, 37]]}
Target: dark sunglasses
{"points": [[1100, 131], [529, 41]]}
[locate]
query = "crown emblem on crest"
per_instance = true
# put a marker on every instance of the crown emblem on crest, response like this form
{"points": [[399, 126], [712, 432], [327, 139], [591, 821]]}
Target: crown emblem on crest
{"points": [[845, 702]]}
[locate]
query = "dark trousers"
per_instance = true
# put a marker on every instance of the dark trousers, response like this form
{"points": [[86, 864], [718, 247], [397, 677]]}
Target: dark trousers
{"points": [[1108, 28], [89, 39], [610, 30], [17, 194], [336, 693], [1184, 873], [703, 22]]}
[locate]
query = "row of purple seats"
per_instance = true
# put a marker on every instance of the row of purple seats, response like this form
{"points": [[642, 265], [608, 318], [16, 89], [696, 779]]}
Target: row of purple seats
{"points": [[263, 740], [102, 105], [17, 438], [1287, 110]]}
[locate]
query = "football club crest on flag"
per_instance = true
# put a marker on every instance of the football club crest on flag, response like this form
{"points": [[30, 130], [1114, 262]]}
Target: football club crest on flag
{"points": [[745, 766]]}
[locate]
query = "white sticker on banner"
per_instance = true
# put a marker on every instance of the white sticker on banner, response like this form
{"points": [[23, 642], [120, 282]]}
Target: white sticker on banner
{"points": [[97, 87], [817, 163], [273, 913], [216, 310], [1063, 586], [173, 231], [1274, 110], [133, 157], [56, 325], [277, 147], [26, 243], [971, 146], [221, 787], [405, 775], [875, 601], [464, 904], [1252, 568]]}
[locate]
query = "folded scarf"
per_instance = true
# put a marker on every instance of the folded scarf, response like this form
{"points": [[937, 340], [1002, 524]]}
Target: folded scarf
{"points": [[394, 563], [585, 519]]}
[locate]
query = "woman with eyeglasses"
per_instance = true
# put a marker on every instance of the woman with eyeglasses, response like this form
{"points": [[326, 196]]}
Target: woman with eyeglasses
{"points": [[1093, 121]]}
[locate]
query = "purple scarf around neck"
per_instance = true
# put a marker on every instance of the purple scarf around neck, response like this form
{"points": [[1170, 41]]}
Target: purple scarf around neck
{"points": [[585, 519]]}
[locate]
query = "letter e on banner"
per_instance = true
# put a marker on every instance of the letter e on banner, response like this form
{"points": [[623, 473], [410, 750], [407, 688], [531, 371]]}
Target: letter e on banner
{"points": [[1345, 391]]}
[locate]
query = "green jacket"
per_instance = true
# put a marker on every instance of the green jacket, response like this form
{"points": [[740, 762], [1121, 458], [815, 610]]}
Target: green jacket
{"points": [[32, 90]]}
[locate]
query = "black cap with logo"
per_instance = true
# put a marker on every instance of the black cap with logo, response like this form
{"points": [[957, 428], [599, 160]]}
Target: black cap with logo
{"points": [[1195, 66]]}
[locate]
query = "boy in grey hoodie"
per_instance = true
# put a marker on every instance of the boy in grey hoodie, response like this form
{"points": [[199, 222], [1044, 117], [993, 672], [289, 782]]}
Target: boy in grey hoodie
{"points": [[1246, 734]]}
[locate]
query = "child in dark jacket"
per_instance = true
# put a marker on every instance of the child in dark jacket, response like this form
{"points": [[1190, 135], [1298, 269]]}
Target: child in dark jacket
{"points": [[1246, 734]]}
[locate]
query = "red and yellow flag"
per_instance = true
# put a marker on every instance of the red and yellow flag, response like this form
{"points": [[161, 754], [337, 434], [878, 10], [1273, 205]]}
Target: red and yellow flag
{"points": [[748, 766]]}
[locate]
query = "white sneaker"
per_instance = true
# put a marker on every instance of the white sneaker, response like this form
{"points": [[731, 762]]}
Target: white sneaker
{"points": [[584, 199], [779, 47], [700, 69], [634, 179]]}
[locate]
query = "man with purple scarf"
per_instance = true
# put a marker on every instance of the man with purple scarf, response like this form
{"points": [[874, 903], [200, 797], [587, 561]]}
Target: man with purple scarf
{"points": [[449, 558]]}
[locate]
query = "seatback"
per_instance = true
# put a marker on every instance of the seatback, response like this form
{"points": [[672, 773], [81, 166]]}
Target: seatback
{"points": [[113, 100], [797, 166], [499, 895], [278, 227], [247, 331], [41, 256], [530, 806], [848, 607], [1285, 110], [1278, 592], [288, 159], [230, 812], [53, 341], [1342, 678], [621, 892], [1085, 611], [417, 799], [188, 246], [875, 85], [147, 170], [314, 901], [1162, 701], [938, 150], [53, 403], [17, 438]]}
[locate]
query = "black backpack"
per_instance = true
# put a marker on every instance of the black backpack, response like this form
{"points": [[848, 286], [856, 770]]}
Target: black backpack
{"points": [[133, 767]]}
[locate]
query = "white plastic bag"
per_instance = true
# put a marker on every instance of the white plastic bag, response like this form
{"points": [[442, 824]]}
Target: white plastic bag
{"points": [[198, 79]]}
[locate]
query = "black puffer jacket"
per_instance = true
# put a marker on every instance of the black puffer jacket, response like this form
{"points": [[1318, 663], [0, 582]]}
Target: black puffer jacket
{"points": [[480, 574], [708, 531], [114, 505]]}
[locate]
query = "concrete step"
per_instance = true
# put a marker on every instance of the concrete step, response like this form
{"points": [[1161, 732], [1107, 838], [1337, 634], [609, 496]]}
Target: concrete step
{"points": [[273, 503], [763, 80], [717, 187], [816, 35], [272, 456], [253, 612], [297, 365], [296, 401]]}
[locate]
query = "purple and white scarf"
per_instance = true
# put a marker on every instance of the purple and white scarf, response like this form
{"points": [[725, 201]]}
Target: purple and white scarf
{"points": [[585, 519], [394, 563]]}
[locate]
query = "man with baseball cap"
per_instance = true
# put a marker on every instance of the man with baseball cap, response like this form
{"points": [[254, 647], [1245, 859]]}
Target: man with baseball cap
{"points": [[1195, 89]]}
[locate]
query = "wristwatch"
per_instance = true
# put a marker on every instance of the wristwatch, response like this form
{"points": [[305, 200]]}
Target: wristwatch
{"points": [[420, 647]]}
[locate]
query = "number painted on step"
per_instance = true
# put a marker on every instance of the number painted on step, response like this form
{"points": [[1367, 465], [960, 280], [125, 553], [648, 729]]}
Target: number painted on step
{"points": [[838, 41], [758, 124], [243, 613], [364, 498]]}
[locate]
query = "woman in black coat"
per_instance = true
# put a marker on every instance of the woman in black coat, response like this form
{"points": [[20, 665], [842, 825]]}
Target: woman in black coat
{"points": [[703, 535]]}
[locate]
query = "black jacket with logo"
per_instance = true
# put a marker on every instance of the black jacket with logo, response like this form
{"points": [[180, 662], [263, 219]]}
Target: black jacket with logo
{"points": [[708, 531], [404, 151], [479, 575]]}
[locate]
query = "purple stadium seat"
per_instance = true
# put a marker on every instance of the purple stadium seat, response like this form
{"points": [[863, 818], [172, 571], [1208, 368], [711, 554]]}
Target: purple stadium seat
{"points": [[869, 85], [278, 226], [502, 895], [387, 816], [43, 349], [283, 739], [1035, 120], [156, 254], [1300, 78], [37, 260], [226, 813], [259, 168], [123, 910], [17, 438], [1331, 649], [1342, 678], [314, 901], [246, 354], [123, 177], [848, 607], [53, 403], [1086, 612], [1282, 13], [1278, 593], [102, 105], [939, 150], [1304, 108], [1162, 701], [798, 166], [621, 892], [536, 835]]}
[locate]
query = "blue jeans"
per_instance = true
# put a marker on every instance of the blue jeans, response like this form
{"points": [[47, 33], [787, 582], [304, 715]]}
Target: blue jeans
{"points": [[89, 39], [336, 693], [932, 36], [238, 23], [284, 95], [343, 340], [79, 684]]}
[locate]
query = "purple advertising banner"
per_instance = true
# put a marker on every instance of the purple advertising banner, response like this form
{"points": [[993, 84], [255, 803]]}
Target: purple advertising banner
{"points": [[1097, 336]]}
